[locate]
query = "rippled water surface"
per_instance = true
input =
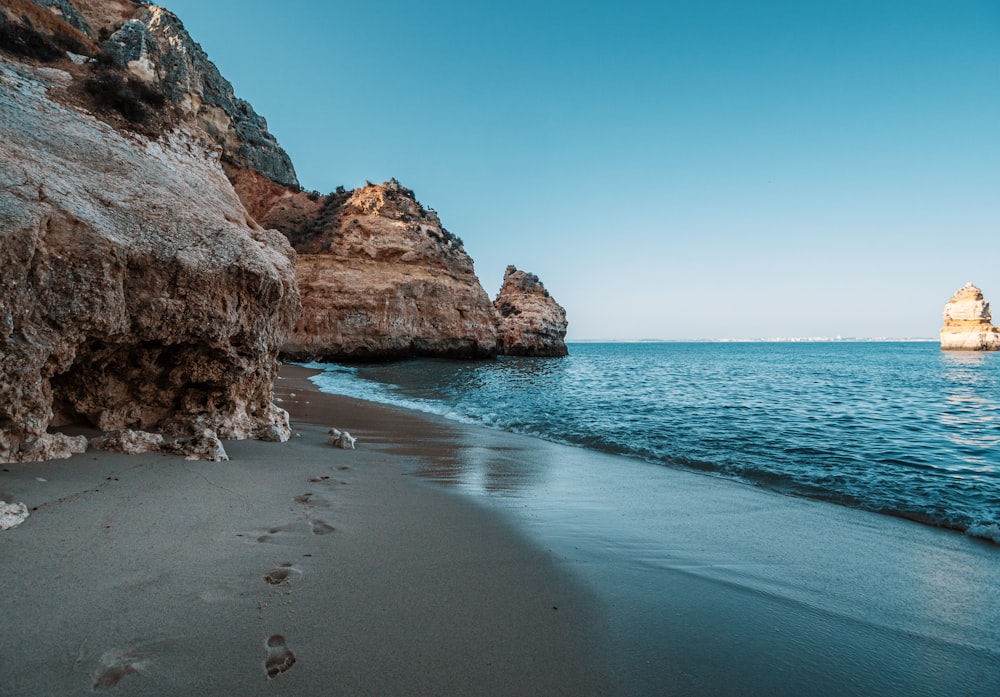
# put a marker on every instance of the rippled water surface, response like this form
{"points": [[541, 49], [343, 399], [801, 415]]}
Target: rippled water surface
{"points": [[900, 428]]}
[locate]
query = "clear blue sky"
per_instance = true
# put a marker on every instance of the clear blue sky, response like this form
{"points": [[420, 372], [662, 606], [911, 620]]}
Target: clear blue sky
{"points": [[674, 170]]}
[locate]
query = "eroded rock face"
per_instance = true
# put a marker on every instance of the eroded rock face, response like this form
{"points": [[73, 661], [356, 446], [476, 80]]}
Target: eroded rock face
{"points": [[135, 291], [532, 323], [380, 277], [967, 325]]}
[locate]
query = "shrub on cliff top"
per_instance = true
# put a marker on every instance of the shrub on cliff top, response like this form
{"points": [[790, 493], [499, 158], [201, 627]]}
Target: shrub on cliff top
{"points": [[129, 96], [31, 31], [24, 40]]}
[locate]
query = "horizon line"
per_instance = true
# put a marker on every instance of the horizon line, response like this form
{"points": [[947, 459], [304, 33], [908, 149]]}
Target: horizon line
{"points": [[838, 339]]}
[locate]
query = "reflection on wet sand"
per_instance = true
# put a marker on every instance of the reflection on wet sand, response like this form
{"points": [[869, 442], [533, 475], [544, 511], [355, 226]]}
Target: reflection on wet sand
{"points": [[483, 463]]}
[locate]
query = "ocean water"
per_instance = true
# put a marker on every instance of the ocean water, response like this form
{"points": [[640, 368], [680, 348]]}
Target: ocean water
{"points": [[899, 428]]}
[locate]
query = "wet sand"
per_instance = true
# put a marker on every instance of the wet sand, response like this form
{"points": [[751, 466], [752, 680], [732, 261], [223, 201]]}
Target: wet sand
{"points": [[538, 569]]}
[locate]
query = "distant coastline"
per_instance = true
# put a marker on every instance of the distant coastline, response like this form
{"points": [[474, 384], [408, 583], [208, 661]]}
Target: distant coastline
{"points": [[772, 340]]}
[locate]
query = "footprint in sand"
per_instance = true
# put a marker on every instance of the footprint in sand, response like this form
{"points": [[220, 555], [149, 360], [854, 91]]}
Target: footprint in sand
{"points": [[320, 528], [267, 537], [280, 574], [117, 664], [312, 500], [277, 576], [279, 657], [111, 676]]}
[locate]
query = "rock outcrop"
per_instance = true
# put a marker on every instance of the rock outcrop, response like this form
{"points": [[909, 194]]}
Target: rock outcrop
{"points": [[967, 325], [138, 289], [380, 277], [532, 323], [135, 291], [154, 46]]}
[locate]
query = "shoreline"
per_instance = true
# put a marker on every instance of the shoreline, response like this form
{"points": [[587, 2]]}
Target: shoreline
{"points": [[924, 471], [795, 595], [357, 572]]}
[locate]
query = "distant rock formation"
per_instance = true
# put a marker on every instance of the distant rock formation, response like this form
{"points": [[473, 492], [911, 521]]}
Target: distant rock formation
{"points": [[135, 291], [967, 325], [532, 323], [380, 277]]}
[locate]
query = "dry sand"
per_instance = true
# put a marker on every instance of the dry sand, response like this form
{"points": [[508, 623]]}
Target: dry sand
{"points": [[301, 569]]}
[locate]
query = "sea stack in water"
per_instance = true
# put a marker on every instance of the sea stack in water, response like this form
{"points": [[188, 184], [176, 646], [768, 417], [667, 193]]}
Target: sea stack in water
{"points": [[532, 323], [967, 325]]}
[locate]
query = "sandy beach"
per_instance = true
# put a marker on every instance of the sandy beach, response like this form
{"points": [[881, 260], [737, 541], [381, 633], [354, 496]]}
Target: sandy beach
{"points": [[151, 575], [301, 569]]}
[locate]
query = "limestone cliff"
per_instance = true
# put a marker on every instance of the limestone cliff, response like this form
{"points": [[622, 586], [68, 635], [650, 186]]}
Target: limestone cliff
{"points": [[380, 277], [967, 325], [155, 47], [532, 323], [135, 291]]}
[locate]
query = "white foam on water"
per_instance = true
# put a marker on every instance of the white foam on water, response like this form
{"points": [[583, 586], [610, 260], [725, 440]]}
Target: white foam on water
{"points": [[986, 531], [344, 381]]}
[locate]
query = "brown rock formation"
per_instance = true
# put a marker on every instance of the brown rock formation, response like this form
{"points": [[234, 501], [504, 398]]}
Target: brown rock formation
{"points": [[380, 277], [135, 291], [967, 325], [532, 323]]}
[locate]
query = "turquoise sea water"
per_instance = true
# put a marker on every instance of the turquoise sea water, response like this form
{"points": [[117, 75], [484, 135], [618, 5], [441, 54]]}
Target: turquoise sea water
{"points": [[894, 427]]}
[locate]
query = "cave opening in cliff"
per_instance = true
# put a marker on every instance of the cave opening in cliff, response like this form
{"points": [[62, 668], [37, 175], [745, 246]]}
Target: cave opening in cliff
{"points": [[113, 385]]}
